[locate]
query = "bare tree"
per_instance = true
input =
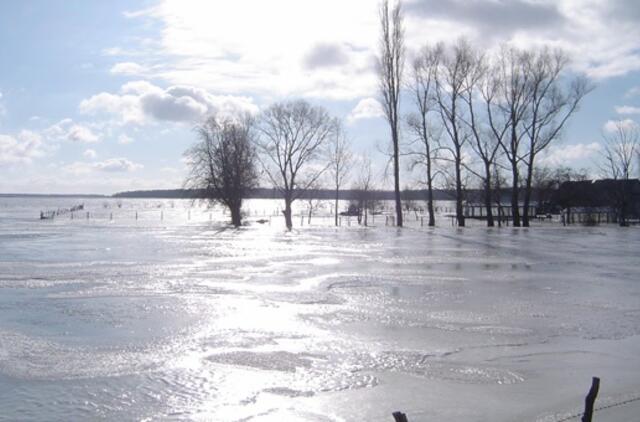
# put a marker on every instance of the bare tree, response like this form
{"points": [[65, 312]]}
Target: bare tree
{"points": [[550, 105], [313, 203], [293, 136], [340, 159], [390, 66], [425, 68], [485, 135], [223, 163], [364, 186], [509, 106], [620, 150], [456, 65], [498, 181]]}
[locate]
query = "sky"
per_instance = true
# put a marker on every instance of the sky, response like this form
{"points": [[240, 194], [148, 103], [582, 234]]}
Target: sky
{"points": [[101, 97]]}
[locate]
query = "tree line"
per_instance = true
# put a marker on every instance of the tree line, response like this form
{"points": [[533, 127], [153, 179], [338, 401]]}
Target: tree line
{"points": [[474, 114]]}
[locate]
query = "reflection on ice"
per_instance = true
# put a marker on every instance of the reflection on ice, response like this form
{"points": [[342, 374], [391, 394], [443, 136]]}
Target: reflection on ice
{"points": [[198, 322]]}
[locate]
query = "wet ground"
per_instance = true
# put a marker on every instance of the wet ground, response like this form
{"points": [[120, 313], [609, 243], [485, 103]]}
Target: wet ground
{"points": [[191, 320]]}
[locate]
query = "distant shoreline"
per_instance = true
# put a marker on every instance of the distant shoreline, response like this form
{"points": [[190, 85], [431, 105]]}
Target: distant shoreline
{"points": [[52, 195], [264, 193]]}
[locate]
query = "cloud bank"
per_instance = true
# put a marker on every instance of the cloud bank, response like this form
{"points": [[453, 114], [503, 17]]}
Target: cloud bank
{"points": [[141, 102], [327, 49]]}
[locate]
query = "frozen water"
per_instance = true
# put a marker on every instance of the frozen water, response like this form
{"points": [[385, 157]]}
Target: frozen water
{"points": [[182, 318]]}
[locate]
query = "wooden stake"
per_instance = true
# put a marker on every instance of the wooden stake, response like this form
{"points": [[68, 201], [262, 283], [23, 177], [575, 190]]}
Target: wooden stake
{"points": [[400, 417], [590, 399]]}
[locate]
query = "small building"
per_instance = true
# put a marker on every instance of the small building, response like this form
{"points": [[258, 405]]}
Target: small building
{"points": [[609, 199]]}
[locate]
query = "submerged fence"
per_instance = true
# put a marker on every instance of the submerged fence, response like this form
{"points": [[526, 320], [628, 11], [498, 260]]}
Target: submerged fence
{"points": [[318, 216], [585, 415]]}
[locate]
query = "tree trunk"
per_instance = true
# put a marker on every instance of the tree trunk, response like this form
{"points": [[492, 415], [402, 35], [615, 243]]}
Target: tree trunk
{"points": [[365, 213], [287, 214], [623, 214], [336, 209], [515, 209], [396, 176], [527, 194], [459, 210], [236, 216], [432, 218], [487, 195], [625, 199]]}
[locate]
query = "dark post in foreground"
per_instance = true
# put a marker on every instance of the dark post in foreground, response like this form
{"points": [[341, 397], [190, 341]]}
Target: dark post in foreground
{"points": [[400, 417], [590, 399]]}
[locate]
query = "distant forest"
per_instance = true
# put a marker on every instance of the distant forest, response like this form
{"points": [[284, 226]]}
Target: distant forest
{"points": [[328, 194]]}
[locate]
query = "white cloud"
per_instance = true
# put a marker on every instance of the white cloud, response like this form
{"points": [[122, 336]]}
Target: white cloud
{"points": [[90, 154], [126, 107], [632, 92], [627, 110], [140, 102], [78, 133], [325, 55], [129, 14], [117, 165], [67, 130], [170, 170], [128, 68], [581, 28], [569, 154], [612, 125], [20, 149], [296, 48], [112, 165], [284, 48], [366, 108], [78, 168], [124, 139]]}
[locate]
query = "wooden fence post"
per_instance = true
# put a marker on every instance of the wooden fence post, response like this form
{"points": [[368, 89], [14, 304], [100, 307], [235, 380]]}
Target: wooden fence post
{"points": [[590, 399], [400, 417]]}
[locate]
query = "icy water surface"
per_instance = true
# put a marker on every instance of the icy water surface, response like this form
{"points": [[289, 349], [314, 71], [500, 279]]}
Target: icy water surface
{"points": [[190, 320]]}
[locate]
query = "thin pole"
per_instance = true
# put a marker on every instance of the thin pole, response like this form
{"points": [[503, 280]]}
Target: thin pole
{"points": [[590, 399]]}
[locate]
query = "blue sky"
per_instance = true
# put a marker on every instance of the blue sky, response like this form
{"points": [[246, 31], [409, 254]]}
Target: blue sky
{"points": [[99, 97]]}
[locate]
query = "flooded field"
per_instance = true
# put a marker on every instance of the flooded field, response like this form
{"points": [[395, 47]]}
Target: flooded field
{"points": [[179, 317]]}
